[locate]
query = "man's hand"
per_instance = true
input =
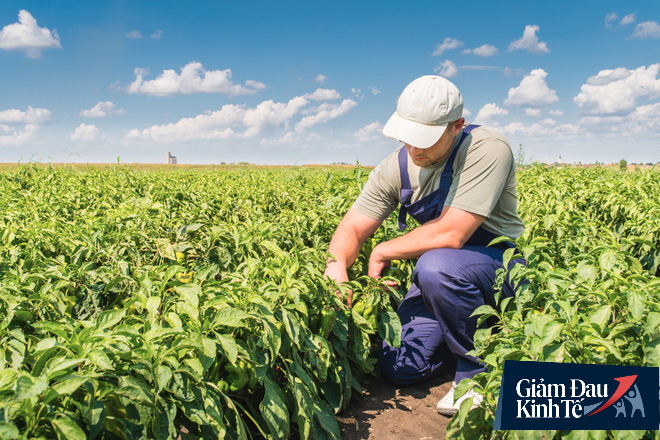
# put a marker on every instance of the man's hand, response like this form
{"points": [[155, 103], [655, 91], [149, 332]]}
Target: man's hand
{"points": [[377, 264], [335, 271]]}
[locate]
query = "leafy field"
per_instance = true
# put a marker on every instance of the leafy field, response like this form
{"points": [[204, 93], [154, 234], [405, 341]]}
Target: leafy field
{"points": [[191, 303]]}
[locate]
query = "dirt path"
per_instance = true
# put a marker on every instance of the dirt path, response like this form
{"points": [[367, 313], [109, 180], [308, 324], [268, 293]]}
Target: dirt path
{"points": [[385, 412]]}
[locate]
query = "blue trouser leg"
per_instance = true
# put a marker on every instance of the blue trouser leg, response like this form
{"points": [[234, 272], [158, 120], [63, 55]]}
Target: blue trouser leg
{"points": [[450, 284]]}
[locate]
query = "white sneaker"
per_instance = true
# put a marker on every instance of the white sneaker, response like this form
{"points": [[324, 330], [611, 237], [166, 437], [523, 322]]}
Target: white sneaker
{"points": [[447, 407]]}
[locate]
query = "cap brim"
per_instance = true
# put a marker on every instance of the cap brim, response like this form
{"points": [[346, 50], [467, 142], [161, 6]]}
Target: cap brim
{"points": [[413, 133]]}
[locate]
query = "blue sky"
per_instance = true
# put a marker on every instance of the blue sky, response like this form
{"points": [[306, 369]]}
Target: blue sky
{"points": [[299, 82]]}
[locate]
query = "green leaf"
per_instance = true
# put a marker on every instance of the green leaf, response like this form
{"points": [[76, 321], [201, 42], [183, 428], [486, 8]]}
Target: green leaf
{"points": [[628, 435], [230, 317], [652, 352], [601, 315], [67, 429], [652, 326], [228, 344], [389, 328], [8, 431], [163, 421], [109, 318], [607, 259], [636, 304], [274, 411]]}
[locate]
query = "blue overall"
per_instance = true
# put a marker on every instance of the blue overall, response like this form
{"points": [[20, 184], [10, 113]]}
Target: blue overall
{"points": [[447, 286]]}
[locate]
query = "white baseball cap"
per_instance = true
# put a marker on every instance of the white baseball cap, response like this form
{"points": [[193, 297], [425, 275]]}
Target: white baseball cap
{"points": [[424, 109]]}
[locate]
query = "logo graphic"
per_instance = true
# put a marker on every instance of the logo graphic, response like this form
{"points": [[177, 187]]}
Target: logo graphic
{"points": [[544, 395]]}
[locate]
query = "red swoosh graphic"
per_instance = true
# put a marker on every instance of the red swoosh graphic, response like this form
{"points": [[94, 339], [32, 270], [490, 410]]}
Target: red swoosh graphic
{"points": [[624, 384]]}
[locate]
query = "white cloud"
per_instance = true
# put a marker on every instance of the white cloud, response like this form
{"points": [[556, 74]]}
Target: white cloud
{"points": [[370, 132], [490, 114], [447, 69], [28, 36], [532, 91], [134, 35], [321, 79], [548, 122], [609, 18], [556, 112], [323, 95], [270, 113], [357, 93], [485, 50], [630, 18], [374, 90], [230, 121], [101, 110], [647, 29], [448, 43], [325, 113], [193, 79], [544, 131], [617, 91], [530, 41], [16, 137], [157, 35], [532, 111], [646, 117], [35, 116], [466, 113], [85, 133]]}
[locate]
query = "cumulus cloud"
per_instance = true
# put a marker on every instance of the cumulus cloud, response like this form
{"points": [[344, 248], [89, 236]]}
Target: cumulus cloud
{"points": [[618, 90], [466, 113], [447, 69], [530, 41], [447, 43], [101, 110], [321, 79], [630, 18], [609, 18], [325, 113], [192, 79], [556, 112], [370, 132], [85, 133], [485, 50], [490, 114], [647, 29], [157, 35], [532, 91], [35, 116], [28, 36], [14, 137], [532, 111], [545, 131], [323, 95], [134, 35], [230, 121]]}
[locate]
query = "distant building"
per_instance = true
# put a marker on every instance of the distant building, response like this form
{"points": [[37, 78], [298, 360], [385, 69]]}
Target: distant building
{"points": [[171, 160]]}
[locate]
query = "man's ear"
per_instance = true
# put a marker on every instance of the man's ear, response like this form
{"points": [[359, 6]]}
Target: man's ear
{"points": [[458, 126]]}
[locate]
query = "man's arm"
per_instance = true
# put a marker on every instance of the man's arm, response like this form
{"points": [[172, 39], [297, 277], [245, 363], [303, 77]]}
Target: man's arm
{"points": [[451, 230], [345, 245]]}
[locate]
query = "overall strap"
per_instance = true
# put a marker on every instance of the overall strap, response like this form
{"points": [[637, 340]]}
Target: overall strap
{"points": [[445, 179], [406, 188]]}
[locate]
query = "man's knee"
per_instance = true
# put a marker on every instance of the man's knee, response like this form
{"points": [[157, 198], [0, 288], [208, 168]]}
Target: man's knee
{"points": [[434, 266], [396, 369]]}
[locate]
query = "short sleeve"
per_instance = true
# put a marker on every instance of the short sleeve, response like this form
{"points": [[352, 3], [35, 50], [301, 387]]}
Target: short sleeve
{"points": [[482, 173], [380, 195]]}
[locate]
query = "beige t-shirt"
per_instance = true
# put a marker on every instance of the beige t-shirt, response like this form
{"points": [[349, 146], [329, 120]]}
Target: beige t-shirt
{"points": [[484, 183]]}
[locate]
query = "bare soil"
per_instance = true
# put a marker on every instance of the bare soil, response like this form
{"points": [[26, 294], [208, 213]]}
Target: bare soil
{"points": [[386, 412]]}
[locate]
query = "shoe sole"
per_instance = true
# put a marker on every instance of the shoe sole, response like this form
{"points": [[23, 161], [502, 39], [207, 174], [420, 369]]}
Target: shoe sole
{"points": [[447, 412]]}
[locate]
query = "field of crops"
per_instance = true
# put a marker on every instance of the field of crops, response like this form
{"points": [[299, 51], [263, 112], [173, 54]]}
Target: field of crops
{"points": [[192, 304]]}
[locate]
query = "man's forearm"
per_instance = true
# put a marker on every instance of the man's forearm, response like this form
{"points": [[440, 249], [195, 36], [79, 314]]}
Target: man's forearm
{"points": [[344, 246]]}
